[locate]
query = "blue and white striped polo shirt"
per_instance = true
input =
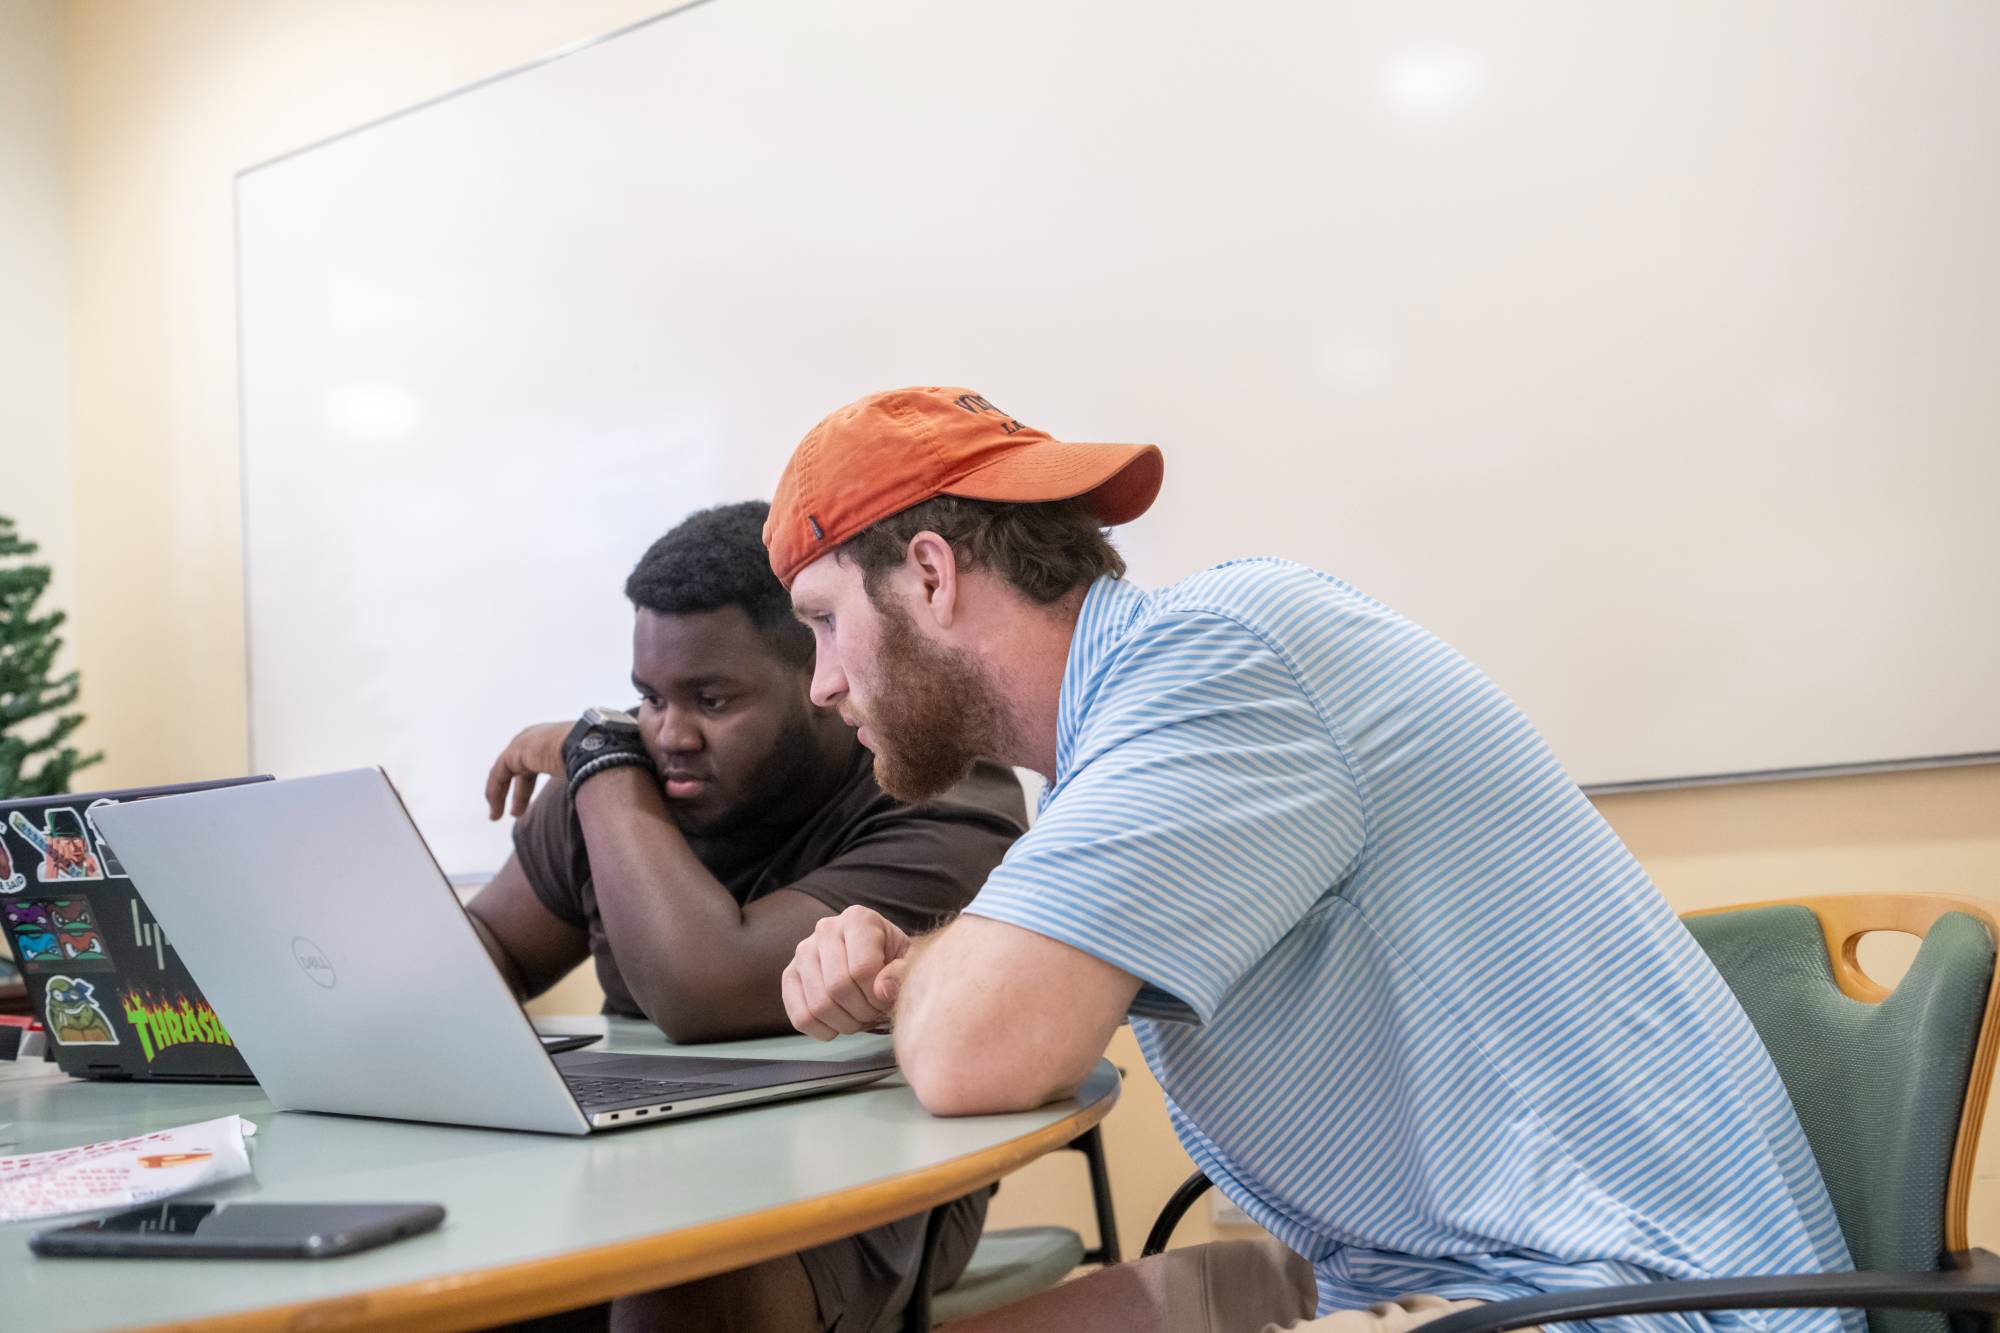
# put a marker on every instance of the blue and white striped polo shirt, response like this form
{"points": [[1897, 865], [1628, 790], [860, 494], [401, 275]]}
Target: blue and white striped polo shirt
{"points": [[1414, 1006]]}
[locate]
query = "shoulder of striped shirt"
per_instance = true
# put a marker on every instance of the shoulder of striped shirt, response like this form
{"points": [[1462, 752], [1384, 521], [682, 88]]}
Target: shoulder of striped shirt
{"points": [[1235, 618]]}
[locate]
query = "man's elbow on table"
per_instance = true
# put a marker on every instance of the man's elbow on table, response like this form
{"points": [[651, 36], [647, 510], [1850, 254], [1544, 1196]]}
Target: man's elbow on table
{"points": [[994, 1018], [684, 1023], [709, 1006], [954, 1077]]}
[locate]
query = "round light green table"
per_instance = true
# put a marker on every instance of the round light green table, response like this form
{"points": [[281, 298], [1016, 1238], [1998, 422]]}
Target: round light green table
{"points": [[535, 1223]]}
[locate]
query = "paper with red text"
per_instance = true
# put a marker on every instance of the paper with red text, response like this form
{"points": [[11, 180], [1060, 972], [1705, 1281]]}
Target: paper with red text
{"points": [[124, 1173]]}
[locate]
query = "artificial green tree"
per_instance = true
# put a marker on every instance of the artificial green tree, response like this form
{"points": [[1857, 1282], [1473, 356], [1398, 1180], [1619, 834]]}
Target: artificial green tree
{"points": [[29, 695]]}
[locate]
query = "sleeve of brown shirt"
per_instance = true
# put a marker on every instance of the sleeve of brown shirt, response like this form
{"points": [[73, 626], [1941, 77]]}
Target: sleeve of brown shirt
{"points": [[550, 850], [919, 864]]}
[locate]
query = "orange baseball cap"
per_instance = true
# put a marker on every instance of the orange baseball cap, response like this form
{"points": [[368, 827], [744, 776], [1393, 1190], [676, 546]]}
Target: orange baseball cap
{"points": [[879, 455]]}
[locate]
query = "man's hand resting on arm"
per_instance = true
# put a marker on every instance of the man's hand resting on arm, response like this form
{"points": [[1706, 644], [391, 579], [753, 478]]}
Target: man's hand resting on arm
{"points": [[988, 1017], [531, 756]]}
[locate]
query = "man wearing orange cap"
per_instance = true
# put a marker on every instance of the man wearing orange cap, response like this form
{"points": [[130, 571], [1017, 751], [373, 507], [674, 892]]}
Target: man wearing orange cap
{"points": [[1414, 1006]]}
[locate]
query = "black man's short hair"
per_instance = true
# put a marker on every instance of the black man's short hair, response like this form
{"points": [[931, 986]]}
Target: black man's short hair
{"points": [[715, 558]]}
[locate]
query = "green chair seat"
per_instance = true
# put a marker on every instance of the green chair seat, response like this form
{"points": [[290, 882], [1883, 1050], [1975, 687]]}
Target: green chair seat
{"points": [[1008, 1265]]}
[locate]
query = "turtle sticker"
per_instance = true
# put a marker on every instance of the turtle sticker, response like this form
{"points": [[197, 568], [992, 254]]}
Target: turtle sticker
{"points": [[74, 1017], [56, 931], [34, 930], [30, 914], [76, 931], [37, 945]]}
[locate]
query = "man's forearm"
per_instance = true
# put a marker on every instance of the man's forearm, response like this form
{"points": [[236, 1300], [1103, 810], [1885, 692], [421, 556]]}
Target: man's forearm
{"points": [[677, 931], [955, 1042]]}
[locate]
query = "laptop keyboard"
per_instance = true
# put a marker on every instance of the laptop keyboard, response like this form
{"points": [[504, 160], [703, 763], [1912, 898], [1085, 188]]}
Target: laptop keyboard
{"points": [[605, 1094]]}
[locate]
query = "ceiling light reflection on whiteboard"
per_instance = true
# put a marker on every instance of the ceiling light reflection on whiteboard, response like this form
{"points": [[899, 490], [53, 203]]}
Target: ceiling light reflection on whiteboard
{"points": [[1426, 81], [372, 413], [1353, 364]]}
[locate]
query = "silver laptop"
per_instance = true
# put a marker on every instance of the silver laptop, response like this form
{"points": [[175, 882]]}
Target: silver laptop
{"points": [[318, 924]]}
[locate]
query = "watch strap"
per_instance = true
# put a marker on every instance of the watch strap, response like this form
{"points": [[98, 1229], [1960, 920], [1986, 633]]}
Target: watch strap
{"points": [[590, 742], [604, 763]]}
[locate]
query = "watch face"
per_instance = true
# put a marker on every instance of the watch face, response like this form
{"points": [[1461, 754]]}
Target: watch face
{"points": [[610, 719]]}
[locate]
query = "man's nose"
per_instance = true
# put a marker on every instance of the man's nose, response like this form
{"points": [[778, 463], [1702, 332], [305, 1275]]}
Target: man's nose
{"points": [[829, 683], [677, 732]]}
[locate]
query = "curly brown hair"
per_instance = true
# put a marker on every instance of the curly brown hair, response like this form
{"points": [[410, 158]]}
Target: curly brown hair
{"points": [[1046, 550]]}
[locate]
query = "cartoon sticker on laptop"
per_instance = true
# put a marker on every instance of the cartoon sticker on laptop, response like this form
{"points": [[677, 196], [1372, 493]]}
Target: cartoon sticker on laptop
{"points": [[11, 880], [38, 946], [74, 1016], [163, 1022], [34, 931], [64, 843], [30, 914], [76, 931]]}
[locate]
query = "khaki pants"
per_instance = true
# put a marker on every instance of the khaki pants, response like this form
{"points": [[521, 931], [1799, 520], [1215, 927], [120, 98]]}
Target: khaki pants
{"points": [[1235, 1286], [1231, 1286]]}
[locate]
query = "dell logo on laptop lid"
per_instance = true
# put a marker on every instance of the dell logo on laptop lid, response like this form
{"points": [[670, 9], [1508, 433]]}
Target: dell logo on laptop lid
{"points": [[312, 960]]}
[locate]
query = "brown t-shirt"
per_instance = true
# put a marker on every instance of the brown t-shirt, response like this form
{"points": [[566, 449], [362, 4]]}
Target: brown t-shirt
{"points": [[915, 864]]}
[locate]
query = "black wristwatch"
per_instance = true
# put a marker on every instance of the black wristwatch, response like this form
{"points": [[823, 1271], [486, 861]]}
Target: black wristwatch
{"points": [[601, 740]]}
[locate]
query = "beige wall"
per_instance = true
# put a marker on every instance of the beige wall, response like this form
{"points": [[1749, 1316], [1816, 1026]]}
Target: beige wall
{"points": [[35, 468], [168, 98]]}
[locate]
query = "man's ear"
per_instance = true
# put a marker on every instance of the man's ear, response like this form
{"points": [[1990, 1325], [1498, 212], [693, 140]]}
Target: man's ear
{"points": [[935, 564]]}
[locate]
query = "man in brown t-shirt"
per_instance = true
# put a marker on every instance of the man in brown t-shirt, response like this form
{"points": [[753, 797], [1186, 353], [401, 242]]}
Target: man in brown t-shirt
{"points": [[690, 874]]}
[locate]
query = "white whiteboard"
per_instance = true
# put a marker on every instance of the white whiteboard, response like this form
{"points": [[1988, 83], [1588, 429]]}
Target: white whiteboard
{"points": [[1646, 352]]}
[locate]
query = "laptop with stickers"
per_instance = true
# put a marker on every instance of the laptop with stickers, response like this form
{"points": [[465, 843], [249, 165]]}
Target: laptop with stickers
{"points": [[106, 982], [328, 937]]}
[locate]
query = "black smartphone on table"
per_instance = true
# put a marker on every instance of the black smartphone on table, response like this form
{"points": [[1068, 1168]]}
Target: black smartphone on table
{"points": [[557, 1043], [186, 1229]]}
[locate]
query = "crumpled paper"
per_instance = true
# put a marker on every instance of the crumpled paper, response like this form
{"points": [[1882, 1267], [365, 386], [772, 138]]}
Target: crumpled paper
{"points": [[124, 1173]]}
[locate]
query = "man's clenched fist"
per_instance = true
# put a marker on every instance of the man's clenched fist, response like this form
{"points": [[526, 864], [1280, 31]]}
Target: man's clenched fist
{"points": [[844, 976]]}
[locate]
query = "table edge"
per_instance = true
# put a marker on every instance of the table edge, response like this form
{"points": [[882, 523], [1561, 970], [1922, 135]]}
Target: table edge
{"points": [[478, 1297]]}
